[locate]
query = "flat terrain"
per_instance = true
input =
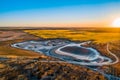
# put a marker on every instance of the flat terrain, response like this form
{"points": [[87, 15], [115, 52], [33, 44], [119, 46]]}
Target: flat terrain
{"points": [[98, 35], [9, 37], [17, 64]]}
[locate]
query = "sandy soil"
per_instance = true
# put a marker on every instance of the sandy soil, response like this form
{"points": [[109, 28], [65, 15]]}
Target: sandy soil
{"points": [[2, 65], [10, 35]]}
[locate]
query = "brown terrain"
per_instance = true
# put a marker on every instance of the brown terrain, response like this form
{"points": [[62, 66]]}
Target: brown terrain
{"points": [[18, 64], [114, 47]]}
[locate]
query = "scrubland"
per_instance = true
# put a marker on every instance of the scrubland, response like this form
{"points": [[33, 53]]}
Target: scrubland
{"points": [[25, 65]]}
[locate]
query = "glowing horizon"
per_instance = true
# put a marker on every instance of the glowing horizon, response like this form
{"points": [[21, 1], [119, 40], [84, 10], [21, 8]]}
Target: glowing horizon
{"points": [[84, 13]]}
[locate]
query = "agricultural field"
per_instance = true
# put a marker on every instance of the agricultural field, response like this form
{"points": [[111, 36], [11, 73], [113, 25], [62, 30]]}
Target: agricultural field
{"points": [[97, 35]]}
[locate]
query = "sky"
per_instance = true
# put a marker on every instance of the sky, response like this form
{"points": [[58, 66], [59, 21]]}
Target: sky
{"points": [[58, 13]]}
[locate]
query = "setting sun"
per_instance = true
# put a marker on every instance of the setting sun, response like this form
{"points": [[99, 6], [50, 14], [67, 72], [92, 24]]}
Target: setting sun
{"points": [[116, 23]]}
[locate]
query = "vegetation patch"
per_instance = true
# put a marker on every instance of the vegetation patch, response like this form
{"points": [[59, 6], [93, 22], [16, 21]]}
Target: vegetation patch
{"points": [[101, 36]]}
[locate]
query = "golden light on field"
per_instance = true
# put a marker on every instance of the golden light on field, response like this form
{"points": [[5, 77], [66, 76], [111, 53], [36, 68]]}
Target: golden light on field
{"points": [[116, 23], [98, 35]]}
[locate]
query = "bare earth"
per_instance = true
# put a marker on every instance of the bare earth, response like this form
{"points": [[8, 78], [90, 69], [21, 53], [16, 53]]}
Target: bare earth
{"points": [[18, 64], [10, 35]]}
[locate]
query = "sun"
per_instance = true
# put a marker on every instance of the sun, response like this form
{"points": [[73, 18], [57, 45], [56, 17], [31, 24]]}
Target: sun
{"points": [[116, 23]]}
